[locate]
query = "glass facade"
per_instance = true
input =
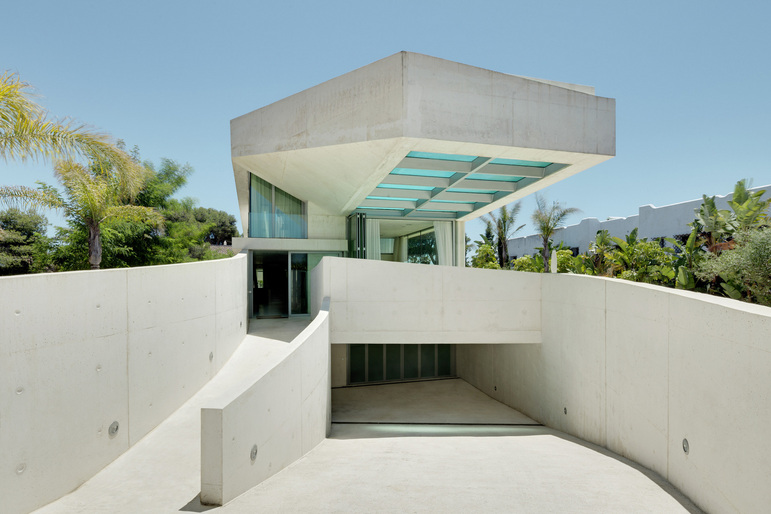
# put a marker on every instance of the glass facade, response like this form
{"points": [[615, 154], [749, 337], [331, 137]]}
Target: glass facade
{"points": [[397, 362], [421, 247], [275, 213]]}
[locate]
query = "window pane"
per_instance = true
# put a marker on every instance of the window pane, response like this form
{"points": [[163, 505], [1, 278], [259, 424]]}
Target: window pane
{"points": [[357, 363], [427, 360], [393, 361], [260, 208], [375, 363], [421, 248], [299, 279], [445, 360], [410, 361], [290, 220]]}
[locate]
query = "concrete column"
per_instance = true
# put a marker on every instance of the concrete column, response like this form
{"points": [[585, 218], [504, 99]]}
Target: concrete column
{"points": [[460, 244]]}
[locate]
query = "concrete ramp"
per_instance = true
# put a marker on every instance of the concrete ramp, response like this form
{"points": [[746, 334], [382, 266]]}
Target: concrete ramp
{"points": [[446, 401]]}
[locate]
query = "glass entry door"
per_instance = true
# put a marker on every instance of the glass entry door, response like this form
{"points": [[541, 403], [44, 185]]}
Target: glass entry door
{"points": [[281, 283], [398, 362], [299, 283], [269, 282]]}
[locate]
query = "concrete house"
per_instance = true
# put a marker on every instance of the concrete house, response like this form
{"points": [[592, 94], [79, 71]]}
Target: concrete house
{"points": [[387, 162]]}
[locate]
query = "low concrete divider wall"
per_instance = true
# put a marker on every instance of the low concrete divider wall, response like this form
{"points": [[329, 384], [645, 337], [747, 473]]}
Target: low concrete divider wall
{"points": [[391, 302], [638, 369], [248, 436], [91, 361]]}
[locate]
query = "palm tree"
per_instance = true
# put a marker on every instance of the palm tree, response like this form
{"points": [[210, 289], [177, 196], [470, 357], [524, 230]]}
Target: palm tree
{"points": [[27, 133], [502, 225], [546, 220], [93, 194]]}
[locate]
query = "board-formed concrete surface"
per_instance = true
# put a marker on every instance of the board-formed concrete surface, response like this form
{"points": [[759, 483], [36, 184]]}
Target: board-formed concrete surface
{"points": [[434, 401]]}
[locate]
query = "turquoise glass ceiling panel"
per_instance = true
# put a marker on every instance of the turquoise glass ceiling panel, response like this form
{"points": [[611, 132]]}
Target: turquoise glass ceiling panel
{"points": [[390, 198], [441, 156], [452, 201], [422, 173], [437, 210], [404, 186], [365, 208], [477, 191], [497, 178], [515, 162]]}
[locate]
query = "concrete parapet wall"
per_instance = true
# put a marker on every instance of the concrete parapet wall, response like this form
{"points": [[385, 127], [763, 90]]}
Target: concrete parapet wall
{"points": [[390, 302], [250, 435], [81, 350], [638, 369]]}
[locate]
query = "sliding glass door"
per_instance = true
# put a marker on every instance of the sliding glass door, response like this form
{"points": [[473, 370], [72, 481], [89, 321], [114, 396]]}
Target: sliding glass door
{"points": [[398, 362]]}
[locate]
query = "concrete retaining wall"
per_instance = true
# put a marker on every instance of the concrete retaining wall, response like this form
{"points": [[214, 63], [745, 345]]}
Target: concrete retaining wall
{"points": [[639, 368], [248, 436], [81, 350]]}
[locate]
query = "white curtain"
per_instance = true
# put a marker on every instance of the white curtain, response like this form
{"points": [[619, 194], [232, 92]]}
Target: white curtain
{"points": [[443, 232], [373, 239]]}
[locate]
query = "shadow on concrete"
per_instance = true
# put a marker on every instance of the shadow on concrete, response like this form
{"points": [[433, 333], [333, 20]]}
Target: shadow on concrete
{"points": [[279, 329], [451, 401], [195, 505], [380, 430]]}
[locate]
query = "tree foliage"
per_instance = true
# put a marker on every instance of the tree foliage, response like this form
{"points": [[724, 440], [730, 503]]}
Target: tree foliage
{"points": [[502, 226], [745, 270], [728, 252], [547, 219], [26, 132], [23, 244], [485, 258]]}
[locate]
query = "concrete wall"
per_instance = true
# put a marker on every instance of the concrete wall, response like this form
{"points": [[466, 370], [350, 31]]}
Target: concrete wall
{"points": [[334, 143], [322, 225], [651, 222], [249, 435], [81, 350], [445, 100], [639, 368], [392, 302]]}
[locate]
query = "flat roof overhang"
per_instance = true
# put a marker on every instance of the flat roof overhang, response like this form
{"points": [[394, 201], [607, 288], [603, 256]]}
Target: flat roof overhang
{"points": [[416, 137]]}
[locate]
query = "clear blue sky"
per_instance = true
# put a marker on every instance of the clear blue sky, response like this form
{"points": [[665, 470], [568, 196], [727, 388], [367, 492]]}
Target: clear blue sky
{"points": [[690, 78]]}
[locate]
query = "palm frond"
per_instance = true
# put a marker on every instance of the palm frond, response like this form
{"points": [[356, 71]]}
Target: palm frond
{"points": [[15, 100], [26, 198], [135, 213], [27, 133]]}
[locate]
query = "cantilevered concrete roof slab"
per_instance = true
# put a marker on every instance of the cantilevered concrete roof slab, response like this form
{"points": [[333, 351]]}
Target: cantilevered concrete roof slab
{"points": [[413, 136]]}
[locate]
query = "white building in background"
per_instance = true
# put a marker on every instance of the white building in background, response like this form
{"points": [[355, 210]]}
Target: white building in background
{"points": [[651, 222]]}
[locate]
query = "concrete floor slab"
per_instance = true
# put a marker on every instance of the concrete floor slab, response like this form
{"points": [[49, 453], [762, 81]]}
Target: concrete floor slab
{"points": [[390, 468], [435, 401]]}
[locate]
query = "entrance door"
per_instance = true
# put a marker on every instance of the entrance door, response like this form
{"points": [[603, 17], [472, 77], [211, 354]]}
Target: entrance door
{"points": [[271, 285], [282, 282], [299, 283]]}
